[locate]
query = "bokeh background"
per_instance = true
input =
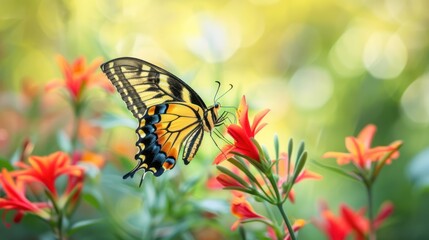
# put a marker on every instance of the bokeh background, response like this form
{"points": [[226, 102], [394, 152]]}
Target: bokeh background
{"points": [[324, 68]]}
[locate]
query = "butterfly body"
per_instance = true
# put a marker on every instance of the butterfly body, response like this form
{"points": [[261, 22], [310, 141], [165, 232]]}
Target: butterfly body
{"points": [[170, 113]]}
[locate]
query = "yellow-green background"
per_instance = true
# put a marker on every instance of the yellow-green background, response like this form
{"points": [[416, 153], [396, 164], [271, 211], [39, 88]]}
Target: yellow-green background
{"points": [[324, 68]]}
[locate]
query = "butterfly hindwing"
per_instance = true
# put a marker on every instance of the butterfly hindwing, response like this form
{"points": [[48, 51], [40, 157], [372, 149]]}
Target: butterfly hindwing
{"points": [[142, 85], [162, 132]]}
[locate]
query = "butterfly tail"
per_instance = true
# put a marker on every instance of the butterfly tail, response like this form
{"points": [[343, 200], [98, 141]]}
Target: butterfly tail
{"points": [[131, 173]]}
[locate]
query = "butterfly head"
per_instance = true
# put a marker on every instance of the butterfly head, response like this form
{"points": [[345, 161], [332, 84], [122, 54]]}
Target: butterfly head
{"points": [[216, 106]]}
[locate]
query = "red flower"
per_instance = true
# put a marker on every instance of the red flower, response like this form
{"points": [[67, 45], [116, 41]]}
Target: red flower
{"points": [[15, 198], [243, 133], [242, 209], [47, 169], [350, 221], [228, 181], [360, 151], [77, 76]]}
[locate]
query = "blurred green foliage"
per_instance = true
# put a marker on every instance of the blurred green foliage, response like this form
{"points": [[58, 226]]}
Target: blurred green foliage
{"points": [[324, 68]]}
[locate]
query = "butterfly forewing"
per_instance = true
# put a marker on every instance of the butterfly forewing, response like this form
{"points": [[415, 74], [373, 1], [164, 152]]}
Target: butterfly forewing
{"points": [[143, 85]]}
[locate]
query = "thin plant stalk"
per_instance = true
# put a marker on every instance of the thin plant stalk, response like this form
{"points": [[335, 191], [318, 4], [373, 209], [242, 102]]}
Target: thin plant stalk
{"points": [[371, 233], [286, 220]]}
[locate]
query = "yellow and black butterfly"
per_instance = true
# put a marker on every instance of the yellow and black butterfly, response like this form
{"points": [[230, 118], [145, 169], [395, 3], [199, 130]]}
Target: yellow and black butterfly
{"points": [[170, 113]]}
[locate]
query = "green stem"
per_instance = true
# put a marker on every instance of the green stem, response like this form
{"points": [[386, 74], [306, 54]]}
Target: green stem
{"points": [[275, 188], [286, 220], [242, 232], [371, 233], [76, 125]]}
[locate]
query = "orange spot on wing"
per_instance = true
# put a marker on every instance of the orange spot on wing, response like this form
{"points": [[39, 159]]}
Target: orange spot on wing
{"points": [[151, 111], [167, 165], [159, 125]]}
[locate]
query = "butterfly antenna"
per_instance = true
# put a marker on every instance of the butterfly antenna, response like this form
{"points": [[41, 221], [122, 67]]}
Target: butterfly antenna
{"points": [[230, 88], [217, 91]]}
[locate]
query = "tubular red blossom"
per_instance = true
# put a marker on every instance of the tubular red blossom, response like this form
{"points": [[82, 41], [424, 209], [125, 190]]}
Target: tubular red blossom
{"points": [[385, 211], [228, 181], [16, 200], [350, 221], [356, 221], [360, 152], [242, 209], [242, 142], [243, 133], [335, 228]]}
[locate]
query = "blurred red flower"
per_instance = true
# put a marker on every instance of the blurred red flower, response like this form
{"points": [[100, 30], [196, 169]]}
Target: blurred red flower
{"points": [[47, 169], [360, 151], [242, 133], [78, 76], [349, 221], [242, 209], [15, 199]]}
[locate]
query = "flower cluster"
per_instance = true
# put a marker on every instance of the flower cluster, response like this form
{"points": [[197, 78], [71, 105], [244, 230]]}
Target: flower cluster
{"points": [[249, 171], [39, 177], [50, 187], [367, 163], [78, 77], [349, 222]]}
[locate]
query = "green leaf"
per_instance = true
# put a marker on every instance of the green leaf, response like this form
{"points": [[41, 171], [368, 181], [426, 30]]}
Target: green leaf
{"points": [[82, 224], [93, 198], [382, 162], [189, 184], [233, 175], [276, 146], [242, 166], [290, 148], [266, 154], [252, 161], [298, 168], [246, 190], [215, 206], [300, 152], [5, 164], [289, 154], [337, 170]]}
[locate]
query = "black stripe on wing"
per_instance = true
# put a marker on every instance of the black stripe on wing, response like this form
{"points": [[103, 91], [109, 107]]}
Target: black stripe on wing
{"points": [[143, 84], [192, 143]]}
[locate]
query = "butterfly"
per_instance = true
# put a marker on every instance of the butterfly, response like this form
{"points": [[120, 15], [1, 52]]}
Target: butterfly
{"points": [[170, 113]]}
